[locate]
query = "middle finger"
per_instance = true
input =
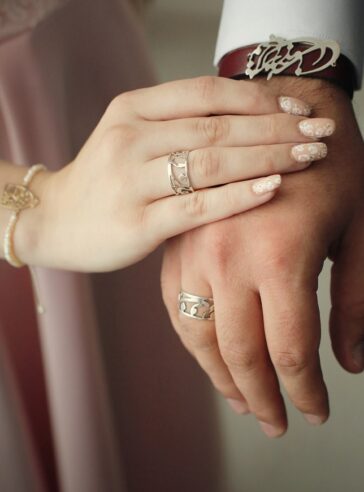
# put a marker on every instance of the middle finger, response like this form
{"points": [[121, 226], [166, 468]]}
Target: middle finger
{"points": [[292, 328], [241, 339], [231, 131]]}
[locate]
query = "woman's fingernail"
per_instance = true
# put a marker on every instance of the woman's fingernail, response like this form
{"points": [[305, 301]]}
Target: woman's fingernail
{"points": [[317, 127], [238, 406], [270, 430], [313, 419], [265, 185], [294, 106], [309, 152], [358, 355]]}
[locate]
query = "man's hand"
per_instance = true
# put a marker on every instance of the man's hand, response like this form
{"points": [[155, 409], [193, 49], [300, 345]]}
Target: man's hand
{"points": [[262, 268]]}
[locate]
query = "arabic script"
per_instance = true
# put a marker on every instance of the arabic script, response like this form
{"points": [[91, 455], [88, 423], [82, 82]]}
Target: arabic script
{"points": [[278, 54]]}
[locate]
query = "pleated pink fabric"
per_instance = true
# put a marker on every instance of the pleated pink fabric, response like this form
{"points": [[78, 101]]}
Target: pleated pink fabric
{"points": [[20, 468], [129, 409], [20, 15]]}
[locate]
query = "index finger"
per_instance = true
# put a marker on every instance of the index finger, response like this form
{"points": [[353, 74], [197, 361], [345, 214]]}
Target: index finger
{"points": [[208, 95]]}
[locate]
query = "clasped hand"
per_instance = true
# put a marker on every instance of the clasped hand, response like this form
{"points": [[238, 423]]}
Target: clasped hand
{"points": [[113, 205], [261, 268]]}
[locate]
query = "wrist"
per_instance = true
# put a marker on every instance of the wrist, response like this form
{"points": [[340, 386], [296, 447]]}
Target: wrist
{"points": [[318, 93], [299, 57], [31, 226], [324, 98]]}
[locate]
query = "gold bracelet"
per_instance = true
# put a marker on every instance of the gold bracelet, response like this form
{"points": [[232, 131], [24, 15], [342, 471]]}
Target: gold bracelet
{"points": [[17, 198]]}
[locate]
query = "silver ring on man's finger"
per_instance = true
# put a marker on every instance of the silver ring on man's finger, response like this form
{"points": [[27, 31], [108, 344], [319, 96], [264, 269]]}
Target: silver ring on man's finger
{"points": [[196, 307]]}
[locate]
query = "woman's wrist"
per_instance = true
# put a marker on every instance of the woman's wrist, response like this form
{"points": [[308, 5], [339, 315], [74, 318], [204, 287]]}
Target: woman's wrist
{"points": [[28, 231], [9, 173]]}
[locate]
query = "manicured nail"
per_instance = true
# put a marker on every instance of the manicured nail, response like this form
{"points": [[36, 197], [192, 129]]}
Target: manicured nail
{"points": [[358, 355], [270, 430], [313, 419], [265, 185], [238, 406], [294, 106], [317, 127], [309, 152]]}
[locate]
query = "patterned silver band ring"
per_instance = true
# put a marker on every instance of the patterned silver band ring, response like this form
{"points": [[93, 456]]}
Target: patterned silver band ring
{"points": [[196, 307], [178, 172]]}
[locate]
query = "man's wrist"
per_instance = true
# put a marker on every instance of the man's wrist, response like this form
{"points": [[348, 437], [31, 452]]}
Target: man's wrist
{"points": [[322, 96], [300, 57]]}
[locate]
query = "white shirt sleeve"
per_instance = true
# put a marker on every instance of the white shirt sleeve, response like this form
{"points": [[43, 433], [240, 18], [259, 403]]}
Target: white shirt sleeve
{"points": [[245, 22]]}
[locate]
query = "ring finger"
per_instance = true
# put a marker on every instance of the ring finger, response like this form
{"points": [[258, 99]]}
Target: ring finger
{"points": [[213, 166], [199, 336]]}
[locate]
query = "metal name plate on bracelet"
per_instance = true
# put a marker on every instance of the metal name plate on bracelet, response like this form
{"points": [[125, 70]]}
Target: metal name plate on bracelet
{"points": [[276, 55]]}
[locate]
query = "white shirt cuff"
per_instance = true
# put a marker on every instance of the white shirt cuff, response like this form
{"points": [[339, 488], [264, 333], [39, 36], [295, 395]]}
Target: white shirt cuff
{"points": [[244, 22]]}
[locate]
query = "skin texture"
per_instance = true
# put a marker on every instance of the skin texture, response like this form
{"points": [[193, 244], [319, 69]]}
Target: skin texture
{"points": [[115, 202], [262, 268]]}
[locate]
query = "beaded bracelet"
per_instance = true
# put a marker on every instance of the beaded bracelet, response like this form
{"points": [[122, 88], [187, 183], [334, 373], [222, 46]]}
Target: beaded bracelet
{"points": [[17, 198]]}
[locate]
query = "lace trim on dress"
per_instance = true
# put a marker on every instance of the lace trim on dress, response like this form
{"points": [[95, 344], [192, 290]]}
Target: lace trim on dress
{"points": [[19, 15]]}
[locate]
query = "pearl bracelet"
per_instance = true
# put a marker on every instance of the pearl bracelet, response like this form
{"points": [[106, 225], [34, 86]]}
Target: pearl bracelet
{"points": [[17, 198]]}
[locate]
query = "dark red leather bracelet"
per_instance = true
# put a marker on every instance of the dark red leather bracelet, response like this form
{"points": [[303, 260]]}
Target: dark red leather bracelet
{"points": [[239, 63]]}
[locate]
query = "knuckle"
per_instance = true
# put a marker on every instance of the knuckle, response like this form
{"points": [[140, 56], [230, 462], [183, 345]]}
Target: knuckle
{"points": [[118, 136], [120, 102], [202, 340], [206, 87], [278, 253], [290, 362], [239, 359], [229, 197], [114, 104], [271, 128], [268, 160], [128, 133], [214, 129], [195, 204], [276, 263], [218, 246], [111, 139], [206, 164], [314, 403], [226, 390], [255, 97], [349, 308]]}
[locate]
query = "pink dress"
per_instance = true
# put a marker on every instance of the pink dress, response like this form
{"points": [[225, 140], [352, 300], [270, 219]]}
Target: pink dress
{"points": [[104, 397]]}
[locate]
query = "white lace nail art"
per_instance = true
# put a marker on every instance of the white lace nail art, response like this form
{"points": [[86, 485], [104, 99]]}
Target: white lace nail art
{"points": [[265, 185], [309, 152], [317, 128], [294, 106]]}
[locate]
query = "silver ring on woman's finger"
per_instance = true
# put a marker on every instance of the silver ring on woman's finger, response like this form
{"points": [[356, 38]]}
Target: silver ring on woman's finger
{"points": [[196, 307], [178, 172]]}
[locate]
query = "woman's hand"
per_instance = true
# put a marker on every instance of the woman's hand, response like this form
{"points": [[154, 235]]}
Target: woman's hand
{"points": [[113, 204]]}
